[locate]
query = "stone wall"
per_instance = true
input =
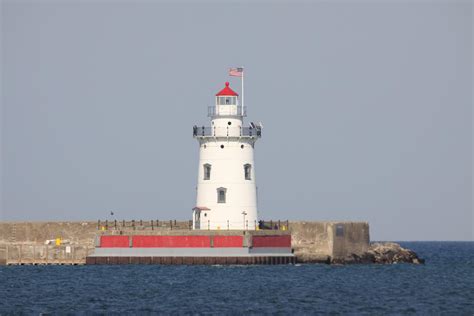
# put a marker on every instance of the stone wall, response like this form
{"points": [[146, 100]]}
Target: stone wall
{"points": [[77, 233], [325, 241]]}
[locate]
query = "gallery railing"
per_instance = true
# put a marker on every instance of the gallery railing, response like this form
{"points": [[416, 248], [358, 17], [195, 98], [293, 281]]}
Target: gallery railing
{"points": [[228, 110], [226, 131]]}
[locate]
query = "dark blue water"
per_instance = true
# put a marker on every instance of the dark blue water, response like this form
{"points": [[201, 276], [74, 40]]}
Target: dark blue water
{"points": [[444, 285]]}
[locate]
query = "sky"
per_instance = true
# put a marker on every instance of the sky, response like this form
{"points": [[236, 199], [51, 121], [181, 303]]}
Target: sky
{"points": [[366, 108]]}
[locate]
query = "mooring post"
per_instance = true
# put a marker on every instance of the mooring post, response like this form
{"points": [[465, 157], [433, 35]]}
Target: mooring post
{"points": [[271, 224], [171, 224], [107, 224], [115, 223], [98, 224], [133, 224], [279, 227]]}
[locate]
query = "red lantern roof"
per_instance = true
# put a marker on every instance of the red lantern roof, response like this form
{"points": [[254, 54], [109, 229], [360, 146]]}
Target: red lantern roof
{"points": [[227, 91]]}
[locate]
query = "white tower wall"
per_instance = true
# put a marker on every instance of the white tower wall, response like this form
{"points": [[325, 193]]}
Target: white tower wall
{"points": [[227, 148]]}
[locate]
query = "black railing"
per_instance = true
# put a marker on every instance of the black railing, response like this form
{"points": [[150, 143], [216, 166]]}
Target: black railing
{"points": [[113, 224], [226, 131], [143, 225], [273, 225]]}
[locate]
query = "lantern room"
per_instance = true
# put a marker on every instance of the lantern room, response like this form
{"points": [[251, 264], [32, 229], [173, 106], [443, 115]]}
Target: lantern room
{"points": [[227, 103], [226, 96]]}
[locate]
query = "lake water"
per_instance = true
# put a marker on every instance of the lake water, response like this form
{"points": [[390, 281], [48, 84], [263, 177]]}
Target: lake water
{"points": [[444, 285]]}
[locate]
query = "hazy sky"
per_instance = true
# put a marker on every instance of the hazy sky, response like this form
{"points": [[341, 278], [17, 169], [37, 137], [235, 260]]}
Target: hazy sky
{"points": [[367, 109]]}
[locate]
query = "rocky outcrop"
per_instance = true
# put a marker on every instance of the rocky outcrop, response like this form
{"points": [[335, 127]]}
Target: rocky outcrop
{"points": [[382, 253], [393, 253]]}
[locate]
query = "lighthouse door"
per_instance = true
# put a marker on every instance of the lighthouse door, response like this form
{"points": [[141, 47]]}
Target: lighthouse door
{"points": [[197, 219]]}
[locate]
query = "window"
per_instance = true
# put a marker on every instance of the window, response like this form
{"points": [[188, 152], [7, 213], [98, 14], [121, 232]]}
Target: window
{"points": [[339, 230], [221, 195], [248, 171], [207, 171], [226, 100]]}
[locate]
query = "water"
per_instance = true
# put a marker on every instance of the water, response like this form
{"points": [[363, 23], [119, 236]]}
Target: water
{"points": [[444, 285]]}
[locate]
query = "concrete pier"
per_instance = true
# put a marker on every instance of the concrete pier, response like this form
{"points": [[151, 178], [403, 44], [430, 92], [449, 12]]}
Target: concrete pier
{"points": [[24, 242]]}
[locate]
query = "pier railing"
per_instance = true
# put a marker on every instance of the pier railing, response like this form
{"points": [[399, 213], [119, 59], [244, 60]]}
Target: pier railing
{"points": [[183, 225]]}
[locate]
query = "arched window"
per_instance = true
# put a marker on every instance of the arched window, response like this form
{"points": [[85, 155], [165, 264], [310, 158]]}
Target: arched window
{"points": [[221, 195], [248, 171], [207, 171]]}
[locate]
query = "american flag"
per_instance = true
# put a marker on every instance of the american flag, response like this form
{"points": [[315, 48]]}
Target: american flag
{"points": [[236, 72]]}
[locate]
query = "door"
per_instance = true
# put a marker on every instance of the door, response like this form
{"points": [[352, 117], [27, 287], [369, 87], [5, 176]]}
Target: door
{"points": [[197, 219]]}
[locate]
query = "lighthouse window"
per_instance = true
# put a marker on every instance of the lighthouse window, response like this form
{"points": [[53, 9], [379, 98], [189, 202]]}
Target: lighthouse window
{"points": [[221, 195], [248, 171], [207, 171], [227, 100]]}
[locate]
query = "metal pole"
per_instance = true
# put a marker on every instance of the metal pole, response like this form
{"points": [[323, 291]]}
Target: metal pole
{"points": [[242, 81]]}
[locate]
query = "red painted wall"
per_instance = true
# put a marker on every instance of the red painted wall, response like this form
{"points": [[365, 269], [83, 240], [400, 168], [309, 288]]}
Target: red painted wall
{"points": [[114, 241], [171, 241], [271, 241], [228, 241], [192, 241]]}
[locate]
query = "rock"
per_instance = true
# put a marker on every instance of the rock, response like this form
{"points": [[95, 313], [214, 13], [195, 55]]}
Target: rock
{"points": [[381, 253], [390, 253]]}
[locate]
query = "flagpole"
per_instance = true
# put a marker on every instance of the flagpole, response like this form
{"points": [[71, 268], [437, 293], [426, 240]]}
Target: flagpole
{"points": [[242, 81]]}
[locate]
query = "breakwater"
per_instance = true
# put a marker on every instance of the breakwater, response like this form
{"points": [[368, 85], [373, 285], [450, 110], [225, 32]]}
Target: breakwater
{"points": [[72, 242]]}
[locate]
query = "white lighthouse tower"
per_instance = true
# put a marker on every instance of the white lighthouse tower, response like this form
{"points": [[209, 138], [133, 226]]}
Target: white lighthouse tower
{"points": [[226, 189]]}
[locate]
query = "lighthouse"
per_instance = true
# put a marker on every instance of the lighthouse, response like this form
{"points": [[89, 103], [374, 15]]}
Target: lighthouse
{"points": [[225, 215], [226, 188]]}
